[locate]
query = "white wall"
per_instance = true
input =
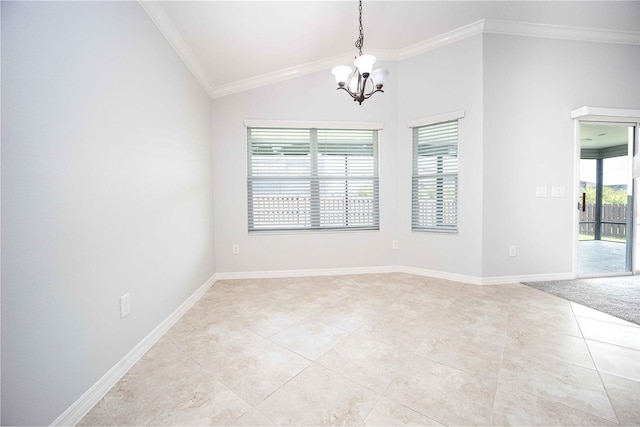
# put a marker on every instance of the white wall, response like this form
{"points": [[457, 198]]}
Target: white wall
{"points": [[441, 81], [517, 93], [107, 178], [530, 87], [311, 98], [106, 189]]}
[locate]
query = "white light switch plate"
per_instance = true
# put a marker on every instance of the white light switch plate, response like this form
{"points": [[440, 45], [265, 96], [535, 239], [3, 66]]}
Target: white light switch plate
{"points": [[557, 191]]}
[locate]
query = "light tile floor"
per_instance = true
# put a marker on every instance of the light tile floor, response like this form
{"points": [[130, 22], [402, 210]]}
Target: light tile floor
{"points": [[383, 349]]}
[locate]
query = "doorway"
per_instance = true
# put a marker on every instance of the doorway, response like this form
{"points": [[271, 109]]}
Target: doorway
{"points": [[605, 229]]}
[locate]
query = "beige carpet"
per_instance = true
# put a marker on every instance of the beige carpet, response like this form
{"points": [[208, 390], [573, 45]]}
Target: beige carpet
{"points": [[617, 296]]}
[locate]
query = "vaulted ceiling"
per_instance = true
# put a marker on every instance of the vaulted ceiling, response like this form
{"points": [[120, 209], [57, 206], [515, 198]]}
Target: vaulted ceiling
{"points": [[226, 42]]}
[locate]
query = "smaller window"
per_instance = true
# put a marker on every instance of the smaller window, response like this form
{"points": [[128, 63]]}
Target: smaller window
{"points": [[435, 177]]}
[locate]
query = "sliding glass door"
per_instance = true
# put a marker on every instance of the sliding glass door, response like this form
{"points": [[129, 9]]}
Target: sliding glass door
{"points": [[606, 199]]}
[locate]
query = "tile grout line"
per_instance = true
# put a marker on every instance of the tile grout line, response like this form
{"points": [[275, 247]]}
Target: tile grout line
{"points": [[113, 418], [504, 343], [215, 377], [317, 363], [383, 394], [220, 380], [595, 366], [412, 356]]}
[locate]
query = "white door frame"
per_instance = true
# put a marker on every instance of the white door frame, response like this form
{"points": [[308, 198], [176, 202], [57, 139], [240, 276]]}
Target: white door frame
{"points": [[612, 115]]}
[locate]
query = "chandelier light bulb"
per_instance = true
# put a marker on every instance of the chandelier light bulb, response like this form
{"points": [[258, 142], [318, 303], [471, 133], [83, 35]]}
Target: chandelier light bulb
{"points": [[341, 73], [379, 75], [353, 84], [365, 64]]}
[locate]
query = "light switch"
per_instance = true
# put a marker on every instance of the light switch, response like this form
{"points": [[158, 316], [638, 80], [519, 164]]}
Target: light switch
{"points": [[557, 191], [541, 191]]}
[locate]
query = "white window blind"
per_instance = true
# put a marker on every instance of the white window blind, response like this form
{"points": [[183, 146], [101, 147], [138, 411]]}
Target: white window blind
{"points": [[435, 177], [312, 179]]}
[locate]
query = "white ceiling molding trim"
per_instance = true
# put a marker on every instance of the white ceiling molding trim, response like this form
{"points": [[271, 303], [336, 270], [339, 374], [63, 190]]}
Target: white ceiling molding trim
{"points": [[325, 64], [278, 76], [442, 40], [490, 26], [171, 33], [483, 26], [496, 26], [295, 71]]}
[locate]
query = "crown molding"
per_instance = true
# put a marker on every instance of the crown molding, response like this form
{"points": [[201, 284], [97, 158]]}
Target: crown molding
{"points": [[159, 17], [484, 26], [442, 40], [296, 71], [279, 76], [328, 63], [528, 29]]}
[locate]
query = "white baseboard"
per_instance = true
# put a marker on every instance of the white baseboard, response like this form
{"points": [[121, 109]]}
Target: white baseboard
{"points": [[462, 278], [475, 280], [91, 397], [270, 274], [503, 280]]}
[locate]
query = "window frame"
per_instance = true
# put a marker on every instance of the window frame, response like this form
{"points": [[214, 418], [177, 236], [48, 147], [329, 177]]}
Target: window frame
{"points": [[314, 180], [440, 175]]}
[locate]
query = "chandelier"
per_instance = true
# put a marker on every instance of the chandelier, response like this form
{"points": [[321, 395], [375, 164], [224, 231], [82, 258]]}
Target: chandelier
{"points": [[362, 82]]}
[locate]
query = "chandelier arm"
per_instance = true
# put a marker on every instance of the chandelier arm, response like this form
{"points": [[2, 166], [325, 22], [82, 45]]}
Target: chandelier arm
{"points": [[353, 75], [362, 85], [360, 95], [371, 93], [353, 95], [374, 89], [362, 82]]}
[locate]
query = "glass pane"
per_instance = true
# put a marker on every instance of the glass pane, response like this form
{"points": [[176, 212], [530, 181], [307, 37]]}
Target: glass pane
{"points": [[588, 189], [312, 179], [614, 199]]}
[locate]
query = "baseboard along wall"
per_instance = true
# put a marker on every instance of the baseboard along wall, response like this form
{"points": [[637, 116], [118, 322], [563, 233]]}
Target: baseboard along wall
{"points": [[92, 396]]}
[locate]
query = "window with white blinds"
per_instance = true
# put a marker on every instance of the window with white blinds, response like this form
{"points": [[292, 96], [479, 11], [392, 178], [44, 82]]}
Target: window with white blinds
{"points": [[312, 179], [435, 177]]}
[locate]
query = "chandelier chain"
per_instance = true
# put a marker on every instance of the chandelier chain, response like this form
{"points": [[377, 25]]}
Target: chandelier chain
{"points": [[362, 81], [360, 42]]}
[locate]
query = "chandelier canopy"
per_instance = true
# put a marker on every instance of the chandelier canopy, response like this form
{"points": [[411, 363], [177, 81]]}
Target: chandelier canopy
{"points": [[362, 81]]}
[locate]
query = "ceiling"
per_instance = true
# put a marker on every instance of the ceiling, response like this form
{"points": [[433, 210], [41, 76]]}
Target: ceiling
{"points": [[600, 136], [232, 41]]}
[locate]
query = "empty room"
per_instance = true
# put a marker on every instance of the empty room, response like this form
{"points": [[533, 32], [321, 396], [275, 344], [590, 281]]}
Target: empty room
{"points": [[320, 212]]}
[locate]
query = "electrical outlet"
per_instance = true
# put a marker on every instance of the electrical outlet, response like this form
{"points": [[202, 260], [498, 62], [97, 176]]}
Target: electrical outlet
{"points": [[394, 244], [235, 249], [512, 250], [125, 305]]}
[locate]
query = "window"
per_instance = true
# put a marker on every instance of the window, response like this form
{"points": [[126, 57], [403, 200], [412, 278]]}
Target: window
{"points": [[435, 175], [312, 179]]}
